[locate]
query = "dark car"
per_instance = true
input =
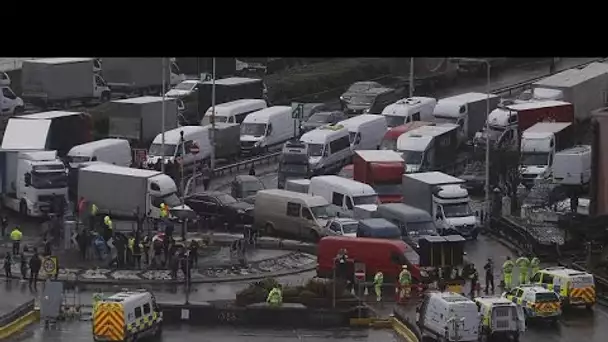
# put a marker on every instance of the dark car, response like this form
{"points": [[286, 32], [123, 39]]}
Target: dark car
{"points": [[358, 87], [371, 101], [320, 119], [221, 208], [245, 186]]}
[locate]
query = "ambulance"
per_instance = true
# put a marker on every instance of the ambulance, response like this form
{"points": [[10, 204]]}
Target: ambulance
{"points": [[575, 288], [127, 316]]}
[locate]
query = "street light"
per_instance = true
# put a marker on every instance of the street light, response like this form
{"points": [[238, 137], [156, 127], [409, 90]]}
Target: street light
{"points": [[488, 90], [162, 117]]}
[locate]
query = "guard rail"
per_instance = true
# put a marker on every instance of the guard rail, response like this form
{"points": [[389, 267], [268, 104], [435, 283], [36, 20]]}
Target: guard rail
{"points": [[17, 313], [508, 90]]}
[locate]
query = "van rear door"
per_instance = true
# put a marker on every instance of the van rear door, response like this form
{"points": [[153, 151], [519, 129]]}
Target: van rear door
{"points": [[109, 322]]}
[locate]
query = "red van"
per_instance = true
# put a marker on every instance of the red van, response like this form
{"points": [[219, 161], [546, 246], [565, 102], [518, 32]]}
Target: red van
{"points": [[383, 255]]}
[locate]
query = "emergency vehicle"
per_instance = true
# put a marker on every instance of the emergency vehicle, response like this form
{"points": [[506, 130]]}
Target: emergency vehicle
{"points": [[500, 318], [575, 288], [127, 316], [536, 301]]}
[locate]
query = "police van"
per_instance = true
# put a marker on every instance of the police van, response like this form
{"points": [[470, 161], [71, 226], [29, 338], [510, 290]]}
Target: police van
{"points": [[500, 318], [575, 288], [536, 302], [127, 316]]}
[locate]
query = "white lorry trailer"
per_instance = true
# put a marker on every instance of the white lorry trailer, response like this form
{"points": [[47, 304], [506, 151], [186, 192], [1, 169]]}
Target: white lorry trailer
{"points": [[586, 89], [51, 82], [572, 166], [539, 144], [126, 192], [32, 181], [141, 76], [444, 197]]}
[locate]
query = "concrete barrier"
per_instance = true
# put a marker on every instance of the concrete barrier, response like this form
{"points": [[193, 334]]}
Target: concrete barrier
{"points": [[18, 319]]}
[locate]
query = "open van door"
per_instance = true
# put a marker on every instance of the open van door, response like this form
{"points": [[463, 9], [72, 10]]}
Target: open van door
{"points": [[521, 320]]}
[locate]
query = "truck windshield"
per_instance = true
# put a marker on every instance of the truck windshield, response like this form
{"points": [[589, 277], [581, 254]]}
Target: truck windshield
{"points": [[370, 199], [315, 150], [49, 180], [412, 157], [457, 210], [395, 120], [534, 158], [388, 144], [445, 119], [157, 150], [218, 118], [421, 228], [255, 129]]}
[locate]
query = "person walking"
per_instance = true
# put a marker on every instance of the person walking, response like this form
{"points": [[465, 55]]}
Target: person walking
{"points": [[206, 175], [16, 237], [523, 264], [534, 266], [378, 282], [83, 243], [8, 261], [92, 216], [405, 283], [136, 252], [489, 268], [193, 248], [23, 265], [4, 223], [252, 170], [474, 276], [507, 270], [35, 265], [47, 247]]}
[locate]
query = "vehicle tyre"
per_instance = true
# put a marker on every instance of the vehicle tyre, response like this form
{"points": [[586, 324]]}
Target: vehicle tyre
{"points": [[18, 110], [23, 208], [269, 230], [105, 97]]}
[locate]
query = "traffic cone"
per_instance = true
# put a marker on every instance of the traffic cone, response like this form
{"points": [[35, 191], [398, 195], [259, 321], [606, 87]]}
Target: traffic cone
{"points": [[366, 292]]}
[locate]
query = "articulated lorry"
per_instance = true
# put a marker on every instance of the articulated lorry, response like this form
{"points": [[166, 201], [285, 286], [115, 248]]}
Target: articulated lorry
{"points": [[429, 148], [32, 181], [293, 163], [141, 76], [539, 144], [139, 119], [382, 170], [50, 82], [445, 199], [126, 192]]}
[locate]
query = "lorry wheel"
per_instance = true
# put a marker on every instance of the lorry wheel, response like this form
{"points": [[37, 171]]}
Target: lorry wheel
{"points": [[23, 208]]}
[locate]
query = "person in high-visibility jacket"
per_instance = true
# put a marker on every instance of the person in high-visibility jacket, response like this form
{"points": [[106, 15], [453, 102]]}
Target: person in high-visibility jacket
{"points": [[275, 296], [164, 211], [507, 271], [96, 299], [405, 283], [16, 236], [534, 266], [523, 264], [378, 281], [93, 213]]}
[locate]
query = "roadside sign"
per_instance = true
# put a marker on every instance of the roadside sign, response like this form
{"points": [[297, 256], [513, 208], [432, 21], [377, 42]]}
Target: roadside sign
{"points": [[194, 149], [297, 110], [49, 265], [359, 271]]}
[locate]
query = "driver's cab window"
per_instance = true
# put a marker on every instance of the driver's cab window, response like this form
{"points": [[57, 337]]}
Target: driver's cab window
{"points": [[416, 117], [461, 123], [231, 119], [269, 130], [547, 279], [335, 227], [99, 81], [349, 202], [326, 151], [439, 212], [307, 214], [512, 119], [8, 93], [519, 293], [535, 278], [156, 201], [357, 138]]}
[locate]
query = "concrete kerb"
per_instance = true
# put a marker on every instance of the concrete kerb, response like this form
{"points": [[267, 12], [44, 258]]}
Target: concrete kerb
{"points": [[19, 319]]}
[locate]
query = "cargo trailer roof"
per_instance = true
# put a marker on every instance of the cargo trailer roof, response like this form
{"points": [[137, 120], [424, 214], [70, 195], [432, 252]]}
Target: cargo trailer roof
{"points": [[263, 115], [536, 104], [120, 170], [467, 98], [62, 60], [25, 134], [580, 149], [572, 77], [233, 81], [434, 178], [547, 127], [144, 99], [379, 156], [48, 115]]}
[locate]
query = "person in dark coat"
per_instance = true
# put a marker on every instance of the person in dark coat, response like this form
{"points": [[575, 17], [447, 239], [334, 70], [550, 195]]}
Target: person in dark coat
{"points": [[174, 266], [83, 243], [8, 261], [23, 266], [119, 244], [35, 265], [206, 175], [252, 170], [193, 249], [47, 247]]}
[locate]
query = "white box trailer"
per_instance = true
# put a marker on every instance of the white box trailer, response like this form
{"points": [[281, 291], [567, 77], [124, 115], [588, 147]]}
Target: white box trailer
{"points": [[572, 166]]}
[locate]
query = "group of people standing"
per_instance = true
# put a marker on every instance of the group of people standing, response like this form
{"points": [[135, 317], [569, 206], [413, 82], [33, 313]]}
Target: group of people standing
{"points": [[527, 267]]}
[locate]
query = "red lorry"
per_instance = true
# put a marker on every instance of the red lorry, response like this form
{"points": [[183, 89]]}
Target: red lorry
{"points": [[389, 142], [382, 169]]}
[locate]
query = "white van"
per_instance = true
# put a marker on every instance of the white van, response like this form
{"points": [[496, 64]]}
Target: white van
{"points": [[282, 212], [233, 111], [328, 148], [343, 193], [366, 131], [448, 316], [111, 151], [267, 128], [408, 110], [193, 135]]}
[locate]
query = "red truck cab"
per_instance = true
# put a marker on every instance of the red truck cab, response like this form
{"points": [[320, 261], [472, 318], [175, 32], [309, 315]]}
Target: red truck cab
{"points": [[387, 256], [382, 170], [389, 142]]}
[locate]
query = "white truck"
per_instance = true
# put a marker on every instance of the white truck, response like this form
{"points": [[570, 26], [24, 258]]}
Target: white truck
{"points": [[444, 197], [572, 166], [32, 181], [52, 82], [469, 111], [539, 144], [586, 89], [126, 192], [143, 75]]}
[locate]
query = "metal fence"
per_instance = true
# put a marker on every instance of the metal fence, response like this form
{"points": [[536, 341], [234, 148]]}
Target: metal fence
{"points": [[17, 313]]}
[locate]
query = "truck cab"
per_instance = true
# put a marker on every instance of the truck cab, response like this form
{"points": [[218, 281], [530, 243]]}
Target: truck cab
{"points": [[10, 104], [428, 148], [32, 181], [539, 144], [452, 211], [382, 170]]}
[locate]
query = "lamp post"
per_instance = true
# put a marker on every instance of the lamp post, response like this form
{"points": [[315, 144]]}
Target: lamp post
{"points": [[162, 117], [488, 90], [212, 135], [411, 77]]}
